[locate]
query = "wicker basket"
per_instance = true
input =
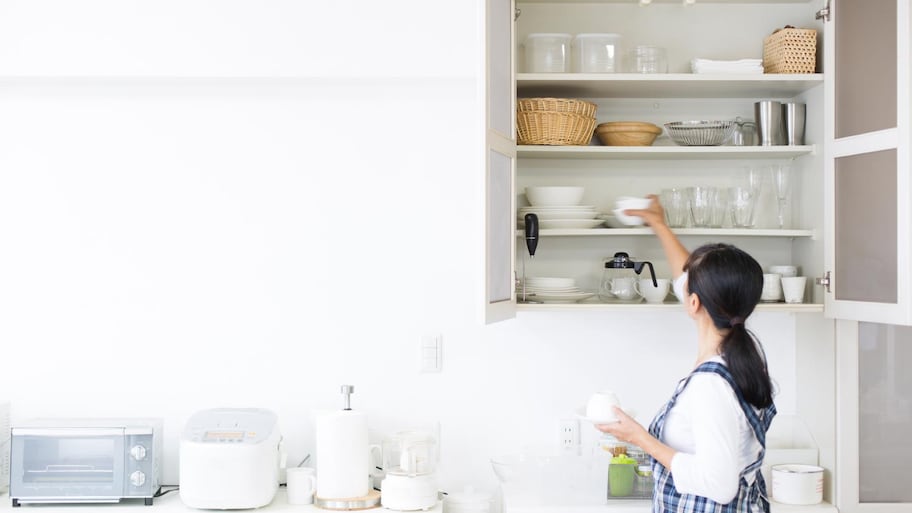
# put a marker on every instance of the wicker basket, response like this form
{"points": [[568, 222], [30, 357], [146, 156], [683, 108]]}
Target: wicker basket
{"points": [[554, 121], [790, 50], [567, 105], [554, 128]]}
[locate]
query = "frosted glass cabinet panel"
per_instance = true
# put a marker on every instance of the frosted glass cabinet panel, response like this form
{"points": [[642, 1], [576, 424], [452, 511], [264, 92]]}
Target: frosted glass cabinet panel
{"points": [[500, 48], [865, 66], [885, 413], [500, 228], [866, 227]]}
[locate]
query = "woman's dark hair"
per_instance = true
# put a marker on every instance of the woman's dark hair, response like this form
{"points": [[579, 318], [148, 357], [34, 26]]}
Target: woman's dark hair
{"points": [[728, 282]]}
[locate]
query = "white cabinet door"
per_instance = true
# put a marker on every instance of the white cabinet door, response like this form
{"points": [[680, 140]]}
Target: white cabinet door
{"points": [[500, 161], [867, 186]]}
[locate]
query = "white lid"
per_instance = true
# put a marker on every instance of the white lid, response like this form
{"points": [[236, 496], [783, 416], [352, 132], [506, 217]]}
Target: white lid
{"points": [[543, 35], [598, 36]]}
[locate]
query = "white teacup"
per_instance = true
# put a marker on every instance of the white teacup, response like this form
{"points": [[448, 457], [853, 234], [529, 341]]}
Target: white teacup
{"points": [[793, 288], [601, 407], [623, 288], [652, 293], [301, 484]]}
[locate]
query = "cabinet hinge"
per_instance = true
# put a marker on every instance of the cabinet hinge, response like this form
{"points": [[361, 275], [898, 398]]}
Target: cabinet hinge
{"points": [[825, 281], [517, 12], [824, 13]]}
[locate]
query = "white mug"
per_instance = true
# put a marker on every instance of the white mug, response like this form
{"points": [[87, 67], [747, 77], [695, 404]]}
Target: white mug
{"points": [[301, 483], [651, 293], [772, 288], [601, 407]]}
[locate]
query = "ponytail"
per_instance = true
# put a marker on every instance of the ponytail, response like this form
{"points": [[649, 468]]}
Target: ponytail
{"points": [[728, 282]]}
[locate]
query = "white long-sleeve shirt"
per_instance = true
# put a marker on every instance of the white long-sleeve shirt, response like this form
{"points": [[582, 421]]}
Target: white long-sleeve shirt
{"points": [[712, 437]]}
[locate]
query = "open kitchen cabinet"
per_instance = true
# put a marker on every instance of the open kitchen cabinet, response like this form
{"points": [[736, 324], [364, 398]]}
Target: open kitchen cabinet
{"points": [[708, 29]]}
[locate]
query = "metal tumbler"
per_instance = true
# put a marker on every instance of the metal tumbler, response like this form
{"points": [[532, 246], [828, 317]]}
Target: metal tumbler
{"points": [[770, 125], [794, 114]]}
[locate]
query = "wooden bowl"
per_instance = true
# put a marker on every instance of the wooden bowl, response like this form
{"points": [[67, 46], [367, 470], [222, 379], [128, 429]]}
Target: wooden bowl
{"points": [[627, 133]]}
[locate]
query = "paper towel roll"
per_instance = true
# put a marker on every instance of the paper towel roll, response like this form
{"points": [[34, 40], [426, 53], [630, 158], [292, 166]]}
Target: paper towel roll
{"points": [[342, 455]]}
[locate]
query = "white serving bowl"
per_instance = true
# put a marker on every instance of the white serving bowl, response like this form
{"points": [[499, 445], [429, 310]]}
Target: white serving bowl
{"points": [[553, 196], [630, 203]]}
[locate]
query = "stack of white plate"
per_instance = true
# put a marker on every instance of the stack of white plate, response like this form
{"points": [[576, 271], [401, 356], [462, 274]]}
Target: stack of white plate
{"points": [[551, 290], [562, 217]]}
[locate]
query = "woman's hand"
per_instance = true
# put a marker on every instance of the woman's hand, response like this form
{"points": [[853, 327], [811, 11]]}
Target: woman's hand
{"points": [[625, 429], [653, 216]]}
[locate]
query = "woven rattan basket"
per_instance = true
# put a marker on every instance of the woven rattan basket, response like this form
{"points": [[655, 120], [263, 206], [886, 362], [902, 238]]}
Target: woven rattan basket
{"points": [[554, 121], [790, 50], [567, 105]]}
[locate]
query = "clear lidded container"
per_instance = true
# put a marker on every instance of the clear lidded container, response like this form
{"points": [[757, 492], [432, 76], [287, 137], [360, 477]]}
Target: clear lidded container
{"points": [[646, 59], [547, 53]]}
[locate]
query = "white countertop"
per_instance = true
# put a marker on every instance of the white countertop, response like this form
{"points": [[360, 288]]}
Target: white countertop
{"points": [[172, 503]]}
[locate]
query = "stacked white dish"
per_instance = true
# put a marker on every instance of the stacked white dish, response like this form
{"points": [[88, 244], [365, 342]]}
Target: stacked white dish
{"points": [[558, 207], [550, 290]]}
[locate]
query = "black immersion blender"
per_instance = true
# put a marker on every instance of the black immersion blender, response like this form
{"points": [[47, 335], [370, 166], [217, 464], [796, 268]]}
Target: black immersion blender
{"points": [[531, 221]]}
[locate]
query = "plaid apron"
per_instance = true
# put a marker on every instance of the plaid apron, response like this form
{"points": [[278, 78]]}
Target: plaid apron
{"points": [[751, 498]]}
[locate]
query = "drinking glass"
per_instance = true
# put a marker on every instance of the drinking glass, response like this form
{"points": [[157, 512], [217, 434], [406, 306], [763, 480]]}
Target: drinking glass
{"points": [[742, 202], [719, 209], [674, 201], [781, 178], [701, 200]]}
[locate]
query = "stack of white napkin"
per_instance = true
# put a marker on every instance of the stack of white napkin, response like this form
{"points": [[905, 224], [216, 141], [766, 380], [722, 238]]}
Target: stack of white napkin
{"points": [[740, 66]]}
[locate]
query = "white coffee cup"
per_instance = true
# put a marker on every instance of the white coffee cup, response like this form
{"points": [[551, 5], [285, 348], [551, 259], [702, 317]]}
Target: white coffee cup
{"points": [[772, 288], [623, 288], [651, 293], [301, 483], [793, 288], [600, 407]]}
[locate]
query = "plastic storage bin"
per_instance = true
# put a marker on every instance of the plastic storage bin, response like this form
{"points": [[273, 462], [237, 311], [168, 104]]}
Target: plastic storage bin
{"points": [[548, 53], [596, 53]]}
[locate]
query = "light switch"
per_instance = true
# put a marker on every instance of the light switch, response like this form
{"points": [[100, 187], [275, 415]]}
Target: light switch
{"points": [[431, 353]]}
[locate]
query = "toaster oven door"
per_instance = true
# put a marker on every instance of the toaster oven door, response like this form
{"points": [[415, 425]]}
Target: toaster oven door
{"points": [[67, 464]]}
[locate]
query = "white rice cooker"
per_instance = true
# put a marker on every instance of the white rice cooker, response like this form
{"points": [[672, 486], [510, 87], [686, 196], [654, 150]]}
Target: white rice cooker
{"points": [[230, 459]]}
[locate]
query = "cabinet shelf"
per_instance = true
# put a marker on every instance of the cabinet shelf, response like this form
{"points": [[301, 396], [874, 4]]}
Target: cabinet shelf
{"points": [[662, 152], [683, 232], [664, 85], [596, 306]]}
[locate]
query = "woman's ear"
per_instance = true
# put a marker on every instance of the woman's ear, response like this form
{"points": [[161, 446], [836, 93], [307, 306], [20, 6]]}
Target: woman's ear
{"points": [[693, 304]]}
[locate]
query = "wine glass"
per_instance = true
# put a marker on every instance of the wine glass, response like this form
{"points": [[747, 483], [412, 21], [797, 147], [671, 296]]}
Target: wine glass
{"points": [[781, 179]]}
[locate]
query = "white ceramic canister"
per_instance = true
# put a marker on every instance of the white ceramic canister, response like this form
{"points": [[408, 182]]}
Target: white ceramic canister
{"points": [[797, 484]]}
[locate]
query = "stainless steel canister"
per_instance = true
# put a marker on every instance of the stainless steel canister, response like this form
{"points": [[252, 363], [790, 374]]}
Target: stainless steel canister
{"points": [[794, 114], [770, 123]]}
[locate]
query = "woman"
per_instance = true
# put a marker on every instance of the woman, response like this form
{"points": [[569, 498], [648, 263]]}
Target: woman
{"points": [[708, 442]]}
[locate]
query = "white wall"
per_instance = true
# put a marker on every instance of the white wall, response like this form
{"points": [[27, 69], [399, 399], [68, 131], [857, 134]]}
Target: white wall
{"points": [[171, 244]]}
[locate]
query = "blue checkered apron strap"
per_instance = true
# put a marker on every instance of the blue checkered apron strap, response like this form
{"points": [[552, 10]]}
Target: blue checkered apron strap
{"points": [[751, 497]]}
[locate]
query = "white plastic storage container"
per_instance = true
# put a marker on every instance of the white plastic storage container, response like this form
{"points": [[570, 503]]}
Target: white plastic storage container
{"points": [[548, 53], [596, 53]]}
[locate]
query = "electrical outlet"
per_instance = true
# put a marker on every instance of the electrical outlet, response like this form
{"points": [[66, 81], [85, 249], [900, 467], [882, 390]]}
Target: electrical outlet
{"points": [[569, 431]]}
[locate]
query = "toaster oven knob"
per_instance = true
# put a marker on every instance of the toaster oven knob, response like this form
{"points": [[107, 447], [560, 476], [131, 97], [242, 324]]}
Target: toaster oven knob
{"points": [[138, 452], [137, 478]]}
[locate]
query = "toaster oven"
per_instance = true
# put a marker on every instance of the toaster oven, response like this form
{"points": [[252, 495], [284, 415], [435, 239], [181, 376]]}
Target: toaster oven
{"points": [[85, 460]]}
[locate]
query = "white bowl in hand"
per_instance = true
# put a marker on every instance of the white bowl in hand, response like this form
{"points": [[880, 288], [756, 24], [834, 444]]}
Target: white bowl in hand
{"points": [[629, 203]]}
